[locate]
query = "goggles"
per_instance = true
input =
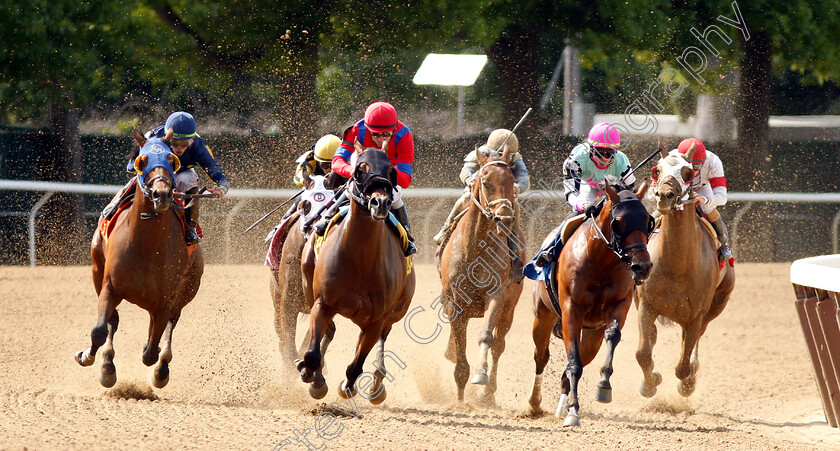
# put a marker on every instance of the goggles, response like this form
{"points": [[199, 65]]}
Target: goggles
{"points": [[182, 143], [382, 135], [604, 154]]}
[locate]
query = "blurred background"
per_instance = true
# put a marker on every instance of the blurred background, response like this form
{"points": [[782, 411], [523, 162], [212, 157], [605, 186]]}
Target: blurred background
{"points": [[756, 81]]}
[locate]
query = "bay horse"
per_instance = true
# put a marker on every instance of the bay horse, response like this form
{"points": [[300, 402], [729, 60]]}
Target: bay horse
{"points": [[146, 261], [286, 277], [475, 270], [687, 285], [361, 273], [596, 272]]}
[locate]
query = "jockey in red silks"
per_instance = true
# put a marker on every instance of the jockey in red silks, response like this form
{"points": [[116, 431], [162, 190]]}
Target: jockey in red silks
{"points": [[379, 125], [709, 186]]}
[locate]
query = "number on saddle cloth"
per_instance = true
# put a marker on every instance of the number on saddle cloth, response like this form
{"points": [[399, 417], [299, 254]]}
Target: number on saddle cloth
{"points": [[317, 196]]}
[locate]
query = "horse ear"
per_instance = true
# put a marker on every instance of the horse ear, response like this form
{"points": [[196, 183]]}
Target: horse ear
{"points": [[385, 146], [141, 140], [640, 193], [690, 154], [169, 133], [611, 193], [480, 156], [662, 153], [358, 146], [506, 154], [174, 162]]}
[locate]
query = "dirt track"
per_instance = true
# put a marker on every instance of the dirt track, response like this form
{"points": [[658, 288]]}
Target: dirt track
{"points": [[227, 391]]}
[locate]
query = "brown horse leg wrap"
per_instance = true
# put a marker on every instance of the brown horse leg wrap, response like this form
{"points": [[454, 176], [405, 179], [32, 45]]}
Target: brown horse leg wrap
{"points": [[485, 337]]}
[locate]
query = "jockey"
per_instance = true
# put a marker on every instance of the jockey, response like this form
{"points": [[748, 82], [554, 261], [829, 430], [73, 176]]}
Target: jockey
{"points": [[709, 186], [379, 125], [583, 171], [179, 132], [467, 176], [315, 161]]}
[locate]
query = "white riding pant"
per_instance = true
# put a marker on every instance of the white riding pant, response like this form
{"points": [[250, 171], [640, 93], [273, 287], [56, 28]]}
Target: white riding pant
{"points": [[186, 179], [705, 191]]}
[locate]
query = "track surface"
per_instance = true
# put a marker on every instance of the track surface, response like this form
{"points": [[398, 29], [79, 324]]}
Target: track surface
{"points": [[227, 388]]}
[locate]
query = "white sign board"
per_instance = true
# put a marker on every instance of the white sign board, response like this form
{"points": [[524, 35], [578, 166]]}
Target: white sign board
{"points": [[449, 70]]}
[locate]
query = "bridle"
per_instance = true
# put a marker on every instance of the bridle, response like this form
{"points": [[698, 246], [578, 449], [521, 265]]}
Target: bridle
{"points": [[488, 210], [147, 191], [624, 253], [358, 194]]}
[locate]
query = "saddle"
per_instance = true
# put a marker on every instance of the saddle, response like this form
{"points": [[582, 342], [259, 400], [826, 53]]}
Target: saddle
{"points": [[391, 221], [275, 240]]}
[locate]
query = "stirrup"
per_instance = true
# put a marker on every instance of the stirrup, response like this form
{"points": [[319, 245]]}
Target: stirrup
{"points": [[439, 237], [192, 236], [320, 227], [411, 249], [724, 253]]}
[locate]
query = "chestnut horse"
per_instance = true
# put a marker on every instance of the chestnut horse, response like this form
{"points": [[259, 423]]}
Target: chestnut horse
{"points": [[145, 260], [286, 278], [360, 273], [475, 273], [596, 272], [687, 284]]}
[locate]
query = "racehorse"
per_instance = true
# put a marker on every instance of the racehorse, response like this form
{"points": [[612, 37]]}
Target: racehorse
{"points": [[146, 261], [361, 273], [687, 285], [475, 273], [286, 277], [597, 269]]}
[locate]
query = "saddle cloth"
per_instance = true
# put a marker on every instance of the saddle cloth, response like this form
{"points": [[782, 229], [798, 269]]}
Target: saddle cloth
{"points": [[276, 239]]}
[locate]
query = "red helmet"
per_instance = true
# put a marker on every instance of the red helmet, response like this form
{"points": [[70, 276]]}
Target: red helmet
{"points": [[699, 150], [380, 117]]}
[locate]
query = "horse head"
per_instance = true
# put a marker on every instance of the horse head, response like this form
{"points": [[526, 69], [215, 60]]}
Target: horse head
{"points": [[374, 179], [672, 176], [156, 166], [630, 227], [493, 187]]}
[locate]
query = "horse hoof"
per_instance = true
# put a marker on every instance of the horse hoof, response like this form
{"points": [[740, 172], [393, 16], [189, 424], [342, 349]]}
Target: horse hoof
{"points": [[299, 364], [561, 406], [307, 375], [480, 378], [108, 375], [160, 377], [318, 392], [646, 390], [686, 387], [380, 396], [84, 359], [150, 358], [572, 419], [345, 392], [603, 395]]}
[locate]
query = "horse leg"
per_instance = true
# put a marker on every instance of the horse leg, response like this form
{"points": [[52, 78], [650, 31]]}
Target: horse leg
{"points": [[644, 354], [541, 333], [160, 376], [285, 320], [367, 338], [612, 335], [457, 351], [158, 322], [574, 369], [99, 334], [492, 308], [378, 392], [108, 374], [310, 366], [687, 377]]}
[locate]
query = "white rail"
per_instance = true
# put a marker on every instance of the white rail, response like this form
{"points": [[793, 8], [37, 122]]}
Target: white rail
{"points": [[50, 188]]}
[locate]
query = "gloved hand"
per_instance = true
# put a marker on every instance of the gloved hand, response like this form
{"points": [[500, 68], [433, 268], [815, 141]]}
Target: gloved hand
{"points": [[590, 211]]}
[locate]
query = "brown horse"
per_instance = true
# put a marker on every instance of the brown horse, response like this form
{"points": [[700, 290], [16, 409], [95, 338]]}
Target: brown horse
{"points": [[286, 278], [475, 273], [360, 273], [687, 284], [145, 260], [597, 269]]}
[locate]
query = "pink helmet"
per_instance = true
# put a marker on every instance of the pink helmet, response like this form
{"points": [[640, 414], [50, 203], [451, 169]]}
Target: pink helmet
{"points": [[604, 135]]}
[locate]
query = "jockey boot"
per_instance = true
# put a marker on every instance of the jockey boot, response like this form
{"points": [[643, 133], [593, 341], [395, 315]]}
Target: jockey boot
{"points": [[124, 193], [320, 227], [459, 206], [723, 237], [549, 249], [516, 264], [402, 217], [191, 219]]}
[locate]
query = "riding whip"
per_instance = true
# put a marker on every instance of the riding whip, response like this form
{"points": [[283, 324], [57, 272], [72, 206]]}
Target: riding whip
{"points": [[514, 129], [275, 209], [648, 158]]}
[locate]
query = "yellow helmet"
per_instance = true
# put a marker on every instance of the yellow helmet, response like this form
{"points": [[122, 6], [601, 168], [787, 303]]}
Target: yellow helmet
{"points": [[498, 137], [325, 148]]}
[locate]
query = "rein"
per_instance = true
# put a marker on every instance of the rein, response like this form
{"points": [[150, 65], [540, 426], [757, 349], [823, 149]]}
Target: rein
{"points": [[487, 212], [613, 244]]}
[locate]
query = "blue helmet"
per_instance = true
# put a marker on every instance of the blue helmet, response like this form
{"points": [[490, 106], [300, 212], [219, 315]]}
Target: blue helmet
{"points": [[182, 125]]}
